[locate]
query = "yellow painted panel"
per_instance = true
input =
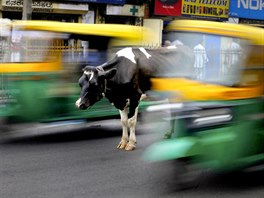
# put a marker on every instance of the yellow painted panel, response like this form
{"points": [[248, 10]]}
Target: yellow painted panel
{"points": [[30, 67], [194, 90]]}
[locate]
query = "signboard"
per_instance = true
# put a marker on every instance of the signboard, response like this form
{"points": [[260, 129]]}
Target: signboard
{"points": [[17, 5], [218, 9], [126, 10], [168, 7], [119, 2], [43, 6], [249, 9], [72, 7]]}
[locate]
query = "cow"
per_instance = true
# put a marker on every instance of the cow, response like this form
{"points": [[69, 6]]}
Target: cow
{"points": [[124, 80]]}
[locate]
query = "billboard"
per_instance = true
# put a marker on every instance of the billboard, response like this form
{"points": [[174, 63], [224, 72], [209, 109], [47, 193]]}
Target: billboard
{"points": [[248, 9], [167, 7], [218, 9]]}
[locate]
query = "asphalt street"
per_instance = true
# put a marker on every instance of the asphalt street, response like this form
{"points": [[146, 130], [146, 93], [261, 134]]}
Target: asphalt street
{"points": [[86, 164]]}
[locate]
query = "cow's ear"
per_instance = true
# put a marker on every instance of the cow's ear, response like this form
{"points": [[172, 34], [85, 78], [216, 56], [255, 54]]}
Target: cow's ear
{"points": [[110, 74]]}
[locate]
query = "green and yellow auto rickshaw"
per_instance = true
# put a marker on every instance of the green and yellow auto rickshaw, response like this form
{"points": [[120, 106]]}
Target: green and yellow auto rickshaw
{"points": [[216, 112], [40, 64]]}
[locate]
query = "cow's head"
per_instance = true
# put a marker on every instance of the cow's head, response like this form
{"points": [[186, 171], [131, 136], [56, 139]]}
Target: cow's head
{"points": [[93, 85]]}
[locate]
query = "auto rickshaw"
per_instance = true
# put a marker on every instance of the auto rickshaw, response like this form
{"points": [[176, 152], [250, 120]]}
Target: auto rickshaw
{"points": [[40, 64], [216, 113]]}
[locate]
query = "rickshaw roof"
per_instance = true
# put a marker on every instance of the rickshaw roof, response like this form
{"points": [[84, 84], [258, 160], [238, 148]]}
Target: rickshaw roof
{"points": [[255, 34], [122, 31]]}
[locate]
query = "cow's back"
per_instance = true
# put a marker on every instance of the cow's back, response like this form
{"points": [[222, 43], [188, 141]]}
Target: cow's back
{"points": [[162, 62]]}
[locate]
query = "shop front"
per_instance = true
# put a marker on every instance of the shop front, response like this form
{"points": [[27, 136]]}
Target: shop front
{"points": [[45, 10], [126, 14]]}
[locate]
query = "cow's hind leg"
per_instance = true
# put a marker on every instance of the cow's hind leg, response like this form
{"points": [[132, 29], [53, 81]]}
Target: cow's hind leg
{"points": [[132, 127], [124, 121]]}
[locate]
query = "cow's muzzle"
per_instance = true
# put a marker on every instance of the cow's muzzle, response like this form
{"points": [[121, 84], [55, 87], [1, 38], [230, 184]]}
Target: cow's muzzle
{"points": [[80, 105]]}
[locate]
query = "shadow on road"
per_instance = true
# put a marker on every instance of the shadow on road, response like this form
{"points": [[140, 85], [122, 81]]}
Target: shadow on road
{"points": [[236, 184], [64, 134], [211, 184], [236, 181], [95, 130]]}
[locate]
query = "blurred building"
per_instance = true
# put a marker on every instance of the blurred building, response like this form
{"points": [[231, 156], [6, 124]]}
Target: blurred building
{"points": [[230, 11], [131, 12], [87, 11], [134, 11], [155, 14]]}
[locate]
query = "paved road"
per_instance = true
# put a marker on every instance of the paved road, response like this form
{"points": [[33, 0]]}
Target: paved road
{"points": [[86, 164]]}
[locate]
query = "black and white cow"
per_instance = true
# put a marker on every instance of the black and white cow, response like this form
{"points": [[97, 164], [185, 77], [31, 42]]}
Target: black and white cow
{"points": [[124, 79]]}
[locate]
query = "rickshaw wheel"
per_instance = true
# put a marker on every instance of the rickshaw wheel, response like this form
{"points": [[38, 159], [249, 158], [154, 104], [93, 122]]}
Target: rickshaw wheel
{"points": [[187, 174]]}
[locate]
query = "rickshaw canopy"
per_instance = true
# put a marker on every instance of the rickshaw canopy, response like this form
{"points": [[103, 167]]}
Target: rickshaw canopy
{"points": [[128, 32], [254, 34], [247, 73], [120, 35]]}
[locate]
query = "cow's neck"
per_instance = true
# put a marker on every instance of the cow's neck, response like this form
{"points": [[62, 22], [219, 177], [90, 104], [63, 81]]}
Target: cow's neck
{"points": [[107, 85], [100, 69], [104, 67], [109, 64]]}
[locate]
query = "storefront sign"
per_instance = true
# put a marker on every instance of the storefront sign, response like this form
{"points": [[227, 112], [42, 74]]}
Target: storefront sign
{"points": [[126, 10], [17, 5], [206, 8], [43, 6], [118, 2], [249, 9], [72, 7], [167, 7]]}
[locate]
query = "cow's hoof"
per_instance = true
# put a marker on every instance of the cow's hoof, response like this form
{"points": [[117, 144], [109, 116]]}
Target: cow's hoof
{"points": [[122, 144], [130, 146]]}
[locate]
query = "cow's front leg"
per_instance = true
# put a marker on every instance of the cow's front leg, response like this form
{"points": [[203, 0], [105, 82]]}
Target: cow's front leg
{"points": [[132, 127], [124, 122]]}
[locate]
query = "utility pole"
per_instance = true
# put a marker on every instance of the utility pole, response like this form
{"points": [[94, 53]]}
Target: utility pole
{"points": [[27, 10]]}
